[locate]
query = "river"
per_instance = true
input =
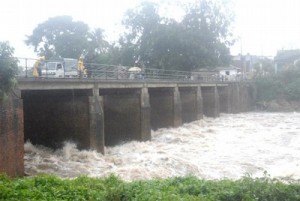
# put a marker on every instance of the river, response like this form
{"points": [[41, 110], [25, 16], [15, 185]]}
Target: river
{"points": [[231, 146]]}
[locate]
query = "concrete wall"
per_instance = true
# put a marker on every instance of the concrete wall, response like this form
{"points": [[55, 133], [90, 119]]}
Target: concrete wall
{"points": [[11, 137]]}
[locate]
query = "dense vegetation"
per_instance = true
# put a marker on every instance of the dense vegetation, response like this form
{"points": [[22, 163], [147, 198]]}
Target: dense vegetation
{"points": [[114, 189], [8, 69], [200, 39], [283, 85]]}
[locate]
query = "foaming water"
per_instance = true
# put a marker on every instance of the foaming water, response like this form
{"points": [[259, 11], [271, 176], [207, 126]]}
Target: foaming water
{"points": [[231, 146]]}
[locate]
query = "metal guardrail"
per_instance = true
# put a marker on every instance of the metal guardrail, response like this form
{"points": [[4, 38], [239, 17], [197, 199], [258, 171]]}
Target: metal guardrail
{"points": [[118, 72]]}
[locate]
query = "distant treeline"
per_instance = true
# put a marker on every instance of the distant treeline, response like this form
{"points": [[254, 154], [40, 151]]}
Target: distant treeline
{"points": [[201, 39]]}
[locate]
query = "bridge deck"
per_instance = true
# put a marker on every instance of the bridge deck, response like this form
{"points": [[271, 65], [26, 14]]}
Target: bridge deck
{"points": [[55, 84]]}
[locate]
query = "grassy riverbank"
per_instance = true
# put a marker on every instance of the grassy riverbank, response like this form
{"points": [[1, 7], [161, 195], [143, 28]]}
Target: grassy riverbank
{"points": [[112, 188]]}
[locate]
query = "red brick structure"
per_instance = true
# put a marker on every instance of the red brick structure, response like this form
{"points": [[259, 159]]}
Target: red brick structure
{"points": [[11, 137]]}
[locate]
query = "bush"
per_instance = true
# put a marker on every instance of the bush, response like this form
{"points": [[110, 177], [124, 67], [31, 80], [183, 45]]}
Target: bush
{"points": [[285, 84], [45, 187], [8, 69], [269, 88], [291, 81]]}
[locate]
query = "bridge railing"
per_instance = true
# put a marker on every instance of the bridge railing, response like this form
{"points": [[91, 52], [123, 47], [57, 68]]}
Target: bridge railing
{"points": [[118, 72]]}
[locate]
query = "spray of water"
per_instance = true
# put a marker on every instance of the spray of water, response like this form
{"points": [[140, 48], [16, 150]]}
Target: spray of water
{"points": [[231, 146]]}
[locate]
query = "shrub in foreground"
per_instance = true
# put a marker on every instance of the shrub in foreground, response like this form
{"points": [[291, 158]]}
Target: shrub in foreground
{"points": [[45, 187]]}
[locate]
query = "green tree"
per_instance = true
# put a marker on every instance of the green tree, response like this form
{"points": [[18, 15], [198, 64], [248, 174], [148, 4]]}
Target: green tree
{"points": [[285, 84], [151, 41], [98, 47], [62, 37], [207, 27], [169, 49], [141, 23], [8, 69], [200, 40]]}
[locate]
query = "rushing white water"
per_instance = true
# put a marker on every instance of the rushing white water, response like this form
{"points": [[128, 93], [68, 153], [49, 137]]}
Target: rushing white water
{"points": [[231, 146]]}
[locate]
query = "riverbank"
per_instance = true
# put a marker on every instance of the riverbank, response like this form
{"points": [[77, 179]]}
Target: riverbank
{"points": [[279, 105], [113, 188]]}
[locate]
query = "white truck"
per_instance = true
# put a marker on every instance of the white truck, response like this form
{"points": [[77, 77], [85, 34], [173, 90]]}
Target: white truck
{"points": [[66, 68]]}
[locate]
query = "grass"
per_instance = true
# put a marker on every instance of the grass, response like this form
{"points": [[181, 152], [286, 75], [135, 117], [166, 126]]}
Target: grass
{"points": [[112, 188]]}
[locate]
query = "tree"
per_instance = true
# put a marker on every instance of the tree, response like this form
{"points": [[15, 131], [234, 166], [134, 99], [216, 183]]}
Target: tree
{"points": [[141, 23], [60, 37], [169, 49], [207, 27], [8, 69], [200, 40], [98, 48]]}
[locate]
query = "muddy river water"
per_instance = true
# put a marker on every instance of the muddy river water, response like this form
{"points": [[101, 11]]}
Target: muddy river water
{"points": [[231, 146]]}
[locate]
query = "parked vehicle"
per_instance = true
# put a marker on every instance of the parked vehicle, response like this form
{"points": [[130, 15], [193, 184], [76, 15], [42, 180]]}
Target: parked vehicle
{"points": [[66, 68]]}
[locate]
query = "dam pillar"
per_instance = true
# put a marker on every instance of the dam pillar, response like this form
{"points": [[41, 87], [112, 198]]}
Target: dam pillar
{"points": [[224, 95], [211, 101], [96, 122], [247, 96], [235, 103], [12, 136], [252, 96], [177, 108], [191, 100], [199, 104], [165, 107], [244, 99], [145, 115]]}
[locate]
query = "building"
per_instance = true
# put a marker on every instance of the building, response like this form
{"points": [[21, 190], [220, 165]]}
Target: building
{"points": [[230, 73]]}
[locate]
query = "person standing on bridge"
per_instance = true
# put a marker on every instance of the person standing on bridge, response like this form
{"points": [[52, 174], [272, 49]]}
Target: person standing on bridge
{"points": [[37, 67], [80, 67]]}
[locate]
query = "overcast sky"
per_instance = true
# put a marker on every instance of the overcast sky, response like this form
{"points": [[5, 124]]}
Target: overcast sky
{"points": [[262, 26]]}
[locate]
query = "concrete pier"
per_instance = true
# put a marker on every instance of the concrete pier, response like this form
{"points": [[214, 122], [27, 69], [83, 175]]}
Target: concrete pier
{"points": [[145, 115], [177, 107], [96, 122], [234, 91]]}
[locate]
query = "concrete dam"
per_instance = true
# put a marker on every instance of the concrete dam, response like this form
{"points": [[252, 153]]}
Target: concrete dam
{"points": [[99, 113]]}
